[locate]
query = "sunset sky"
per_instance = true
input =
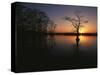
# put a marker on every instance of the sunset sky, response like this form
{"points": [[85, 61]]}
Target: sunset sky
{"points": [[57, 12]]}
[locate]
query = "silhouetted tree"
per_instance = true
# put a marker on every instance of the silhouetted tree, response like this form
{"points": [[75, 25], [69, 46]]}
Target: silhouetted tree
{"points": [[77, 22], [51, 26], [32, 19]]}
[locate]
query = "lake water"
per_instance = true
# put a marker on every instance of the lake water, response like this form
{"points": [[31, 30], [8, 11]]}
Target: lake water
{"points": [[57, 52], [66, 50], [67, 45]]}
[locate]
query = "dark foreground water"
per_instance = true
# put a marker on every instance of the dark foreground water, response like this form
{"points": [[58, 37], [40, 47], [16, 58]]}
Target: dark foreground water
{"points": [[45, 52]]}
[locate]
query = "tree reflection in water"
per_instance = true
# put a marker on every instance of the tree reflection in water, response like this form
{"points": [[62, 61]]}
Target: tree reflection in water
{"points": [[51, 41], [77, 40]]}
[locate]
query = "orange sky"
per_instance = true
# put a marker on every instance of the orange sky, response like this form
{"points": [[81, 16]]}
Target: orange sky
{"points": [[69, 28], [65, 26], [57, 12]]}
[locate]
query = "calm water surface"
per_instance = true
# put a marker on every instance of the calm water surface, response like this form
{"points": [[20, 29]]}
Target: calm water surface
{"points": [[68, 44], [57, 52], [66, 50]]}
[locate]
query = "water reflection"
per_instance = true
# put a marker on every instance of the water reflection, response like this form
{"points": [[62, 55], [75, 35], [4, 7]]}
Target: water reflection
{"points": [[80, 49], [83, 40], [59, 50], [51, 41], [77, 40]]}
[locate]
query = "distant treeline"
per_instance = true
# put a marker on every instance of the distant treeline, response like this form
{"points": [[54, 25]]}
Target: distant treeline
{"points": [[90, 34]]}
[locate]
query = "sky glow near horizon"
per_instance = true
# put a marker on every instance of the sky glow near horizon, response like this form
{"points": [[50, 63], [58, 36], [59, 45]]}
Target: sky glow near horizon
{"points": [[57, 12]]}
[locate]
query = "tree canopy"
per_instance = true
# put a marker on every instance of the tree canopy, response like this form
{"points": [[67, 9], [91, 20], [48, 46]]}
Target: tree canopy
{"points": [[77, 22], [33, 19]]}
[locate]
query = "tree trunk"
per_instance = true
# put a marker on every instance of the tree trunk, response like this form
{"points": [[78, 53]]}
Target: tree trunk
{"points": [[77, 31]]}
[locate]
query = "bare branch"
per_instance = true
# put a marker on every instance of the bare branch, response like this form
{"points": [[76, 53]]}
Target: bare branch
{"points": [[76, 22], [85, 21]]}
